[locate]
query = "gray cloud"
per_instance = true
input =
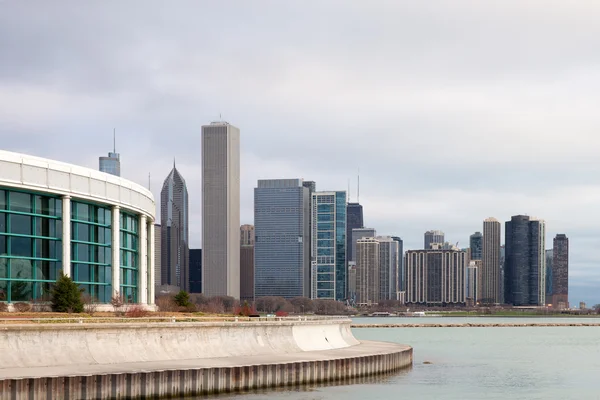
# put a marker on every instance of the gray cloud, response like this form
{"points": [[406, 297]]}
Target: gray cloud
{"points": [[453, 111]]}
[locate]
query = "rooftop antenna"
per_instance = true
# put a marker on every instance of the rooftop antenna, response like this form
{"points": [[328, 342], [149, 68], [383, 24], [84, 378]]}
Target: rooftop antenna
{"points": [[173, 162], [148, 180], [358, 188], [114, 140], [348, 190]]}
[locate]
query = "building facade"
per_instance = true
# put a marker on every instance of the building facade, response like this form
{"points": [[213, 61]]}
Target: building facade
{"points": [[195, 259], [389, 253], [433, 237], [368, 271], [360, 233], [221, 210], [401, 283], [549, 257], [94, 227], [489, 289], [282, 238], [525, 262], [436, 277], [247, 263], [476, 246], [174, 236], [157, 255], [472, 289], [560, 272], [328, 258]]}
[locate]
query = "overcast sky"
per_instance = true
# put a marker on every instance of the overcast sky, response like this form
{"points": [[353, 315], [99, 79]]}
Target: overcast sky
{"points": [[454, 111]]}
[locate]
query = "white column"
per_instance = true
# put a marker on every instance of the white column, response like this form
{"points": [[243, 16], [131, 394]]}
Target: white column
{"points": [[66, 235], [116, 250], [143, 257], [151, 266]]}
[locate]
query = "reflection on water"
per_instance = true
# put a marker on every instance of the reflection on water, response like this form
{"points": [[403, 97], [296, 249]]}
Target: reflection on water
{"points": [[473, 363]]}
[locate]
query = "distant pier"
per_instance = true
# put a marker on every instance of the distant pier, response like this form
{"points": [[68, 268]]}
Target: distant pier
{"points": [[478, 325]]}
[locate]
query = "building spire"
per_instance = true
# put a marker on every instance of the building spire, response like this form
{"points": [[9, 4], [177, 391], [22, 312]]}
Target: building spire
{"points": [[358, 188], [114, 140], [173, 162]]}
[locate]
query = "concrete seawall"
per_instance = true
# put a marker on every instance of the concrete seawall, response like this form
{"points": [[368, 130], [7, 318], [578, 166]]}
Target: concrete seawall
{"points": [[118, 361], [479, 325]]}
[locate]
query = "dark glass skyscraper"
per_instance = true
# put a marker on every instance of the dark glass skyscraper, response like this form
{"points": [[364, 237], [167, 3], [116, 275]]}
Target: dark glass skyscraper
{"points": [[401, 285], [195, 270], [476, 245], [525, 265], [560, 272], [354, 221], [174, 231]]}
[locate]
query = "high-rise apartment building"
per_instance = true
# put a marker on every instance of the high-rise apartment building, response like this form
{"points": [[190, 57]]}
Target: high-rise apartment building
{"points": [[476, 246], [112, 163], [328, 258], [174, 231], [525, 264], [389, 253], [401, 285], [247, 262], [367, 271], [282, 238], [473, 280], [560, 272], [195, 270], [549, 257], [354, 221], [221, 210], [436, 277], [157, 255], [359, 233], [489, 289], [433, 237]]}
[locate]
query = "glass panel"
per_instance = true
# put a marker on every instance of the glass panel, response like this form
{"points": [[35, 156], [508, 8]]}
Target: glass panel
{"points": [[21, 269], [3, 291], [20, 201], [3, 267], [20, 246], [82, 252], [108, 254], [83, 272], [42, 291], [2, 200], [83, 232], [2, 244], [82, 211], [100, 215], [2, 222], [20, 224], [20, 291], [43, 272], [58, 207], [55, 266], [44, 205]]}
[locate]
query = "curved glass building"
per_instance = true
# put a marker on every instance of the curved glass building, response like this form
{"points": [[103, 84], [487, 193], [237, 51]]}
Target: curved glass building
{"points": [[96, 227]]}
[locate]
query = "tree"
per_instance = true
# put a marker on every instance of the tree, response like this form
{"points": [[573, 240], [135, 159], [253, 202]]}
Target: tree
{"points": [[117, 301], [182, 298], [66, 295], [302, 305]]}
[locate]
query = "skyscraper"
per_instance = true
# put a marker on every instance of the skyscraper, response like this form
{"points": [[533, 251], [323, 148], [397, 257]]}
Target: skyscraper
{"points": [[525, 264], [354, 221], [174, 231], [359, 233], [472, 282], [388, 267], [367, 271], [401, 278], [433, 237], [247, 262], [489, 290], [221, 209], [560, 272], [157, 255], [195, 270], [549, 257], [112, 163], [476, 245], [282, 238], [436, 277], [328, 258]]}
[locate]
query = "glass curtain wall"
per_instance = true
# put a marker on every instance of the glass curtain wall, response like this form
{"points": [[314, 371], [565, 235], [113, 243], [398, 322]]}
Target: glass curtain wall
{"points": [[30, 245], [91, 256], [129, 257]]}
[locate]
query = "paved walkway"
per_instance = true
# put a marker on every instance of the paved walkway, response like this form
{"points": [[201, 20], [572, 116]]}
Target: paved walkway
{"points": [[366, 348]]}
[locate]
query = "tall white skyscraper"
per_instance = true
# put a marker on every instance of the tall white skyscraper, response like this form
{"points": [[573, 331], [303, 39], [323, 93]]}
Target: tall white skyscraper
{"points": [[221, 210]]}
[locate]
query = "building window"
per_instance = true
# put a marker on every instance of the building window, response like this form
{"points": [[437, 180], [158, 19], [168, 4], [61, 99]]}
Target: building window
{"points": [[91, 255], [129, 257], [30, 245]]}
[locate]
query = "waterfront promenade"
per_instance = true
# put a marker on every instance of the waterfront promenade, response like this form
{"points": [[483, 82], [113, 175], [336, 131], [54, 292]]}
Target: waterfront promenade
{"points": [[95, 360]]}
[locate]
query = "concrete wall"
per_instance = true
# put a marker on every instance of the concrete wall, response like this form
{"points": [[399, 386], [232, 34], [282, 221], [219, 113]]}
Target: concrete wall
{"points": [[89, 344]]}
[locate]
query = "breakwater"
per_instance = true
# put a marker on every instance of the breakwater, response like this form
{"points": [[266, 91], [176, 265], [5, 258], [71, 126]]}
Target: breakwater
{"points": [[133, 360], [477, 325]]}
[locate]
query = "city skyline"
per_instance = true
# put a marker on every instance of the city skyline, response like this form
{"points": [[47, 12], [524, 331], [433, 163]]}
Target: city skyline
{"points": [[523, 108]]}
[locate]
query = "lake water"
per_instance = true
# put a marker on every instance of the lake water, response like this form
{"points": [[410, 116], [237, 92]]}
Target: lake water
{"points": [[475, 363]]}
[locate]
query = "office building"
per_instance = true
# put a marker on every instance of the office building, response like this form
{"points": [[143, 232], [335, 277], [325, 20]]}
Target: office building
{"points": [[221, 210], [157, 255], [354, 221], [195, 259], [174, 218], [525, 265], [360, 233], [328, 258], [489, 290], [367, 271], [436, 277], [401, 285], [247, 263], [433, 237], [112, 163], [476, 246], [389, 253], [95, 227], [352, 295], [282, 238], [560, 272]]}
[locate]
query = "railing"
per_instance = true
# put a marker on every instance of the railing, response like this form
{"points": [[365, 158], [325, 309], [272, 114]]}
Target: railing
{"points": [[168, 319]]}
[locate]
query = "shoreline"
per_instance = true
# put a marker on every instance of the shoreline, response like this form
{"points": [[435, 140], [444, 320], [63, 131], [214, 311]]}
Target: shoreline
{"points": [[480, 325]]}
